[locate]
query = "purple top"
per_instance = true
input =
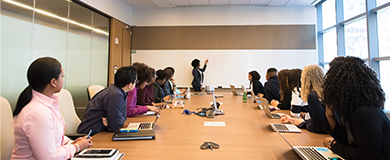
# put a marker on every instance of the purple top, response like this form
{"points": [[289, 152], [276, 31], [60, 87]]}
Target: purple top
{"points": [[145, 96], [132, 109]]}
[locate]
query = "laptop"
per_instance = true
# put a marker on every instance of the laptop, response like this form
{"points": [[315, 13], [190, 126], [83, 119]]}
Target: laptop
{"points": [[234, 91], [311, 152], [254, 97], [143, 125], [216, 111], [267, 110], [249, 96], [200, 92], [281, 127]]}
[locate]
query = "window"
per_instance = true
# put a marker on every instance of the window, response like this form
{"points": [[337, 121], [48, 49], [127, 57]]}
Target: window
{"points": [[381, 2], [48, 32], [385, 81], [329, 14], [356, 39], [353, 30], [384, 32], [353, 8], [330, 45]]}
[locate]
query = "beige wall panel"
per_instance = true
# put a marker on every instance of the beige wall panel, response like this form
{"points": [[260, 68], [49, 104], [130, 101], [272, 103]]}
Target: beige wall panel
{"points": [[126, 55], [202, 37], [225, 37], [244, 37], [291, 37], [115, 49], [154, 37]]}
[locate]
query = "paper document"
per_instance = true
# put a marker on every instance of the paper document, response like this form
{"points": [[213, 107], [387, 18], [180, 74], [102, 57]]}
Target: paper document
{"points": [[214, 123], [149, 113]]}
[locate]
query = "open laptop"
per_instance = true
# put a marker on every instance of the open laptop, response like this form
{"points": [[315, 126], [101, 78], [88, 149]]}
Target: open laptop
{"points": [[248, 96], [282, 127], [311, 152], [143, 125], [234, 91], [267, 110], [216, 111], [203, 90], [254, 97]]}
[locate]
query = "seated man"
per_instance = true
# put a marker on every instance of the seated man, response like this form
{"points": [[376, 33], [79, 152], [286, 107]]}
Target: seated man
{"points": [[272, 86], [109, 104]]}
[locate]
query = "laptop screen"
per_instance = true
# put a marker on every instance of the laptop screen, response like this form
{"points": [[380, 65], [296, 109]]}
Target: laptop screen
{"points": [[157, 116], [215, 103]]}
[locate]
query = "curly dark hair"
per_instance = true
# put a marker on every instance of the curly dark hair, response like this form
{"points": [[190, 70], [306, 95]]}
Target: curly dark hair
{"points": [[350, 84], [144, 73], [195, 63]]}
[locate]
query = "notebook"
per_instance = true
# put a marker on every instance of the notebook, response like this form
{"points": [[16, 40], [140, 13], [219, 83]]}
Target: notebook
{"points": [[281, 127], [143, 125], [140, 135], [311, 152], [234, 91], [267, 110]]}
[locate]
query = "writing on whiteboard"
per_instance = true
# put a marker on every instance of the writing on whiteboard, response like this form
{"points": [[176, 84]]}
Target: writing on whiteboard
{"points": [[216, 60]]}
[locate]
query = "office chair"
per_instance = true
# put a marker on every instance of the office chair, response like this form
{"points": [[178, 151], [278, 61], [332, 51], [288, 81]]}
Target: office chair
{"points": [[7, 131], [93, 89], [68, 112]]}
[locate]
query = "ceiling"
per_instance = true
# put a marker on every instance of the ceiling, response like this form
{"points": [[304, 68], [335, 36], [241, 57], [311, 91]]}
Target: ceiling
{"points": [[149, 4]]}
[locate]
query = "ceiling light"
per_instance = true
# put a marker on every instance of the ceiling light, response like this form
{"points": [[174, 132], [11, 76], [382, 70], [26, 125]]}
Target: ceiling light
{"points": [[55, 16]]}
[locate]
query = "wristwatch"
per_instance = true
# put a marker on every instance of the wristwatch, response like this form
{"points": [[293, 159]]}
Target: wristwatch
{"points": [[78, 147], [331, 144]]}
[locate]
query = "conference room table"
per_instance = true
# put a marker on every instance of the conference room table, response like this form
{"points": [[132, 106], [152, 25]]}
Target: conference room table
{"points": [[246, 134]]}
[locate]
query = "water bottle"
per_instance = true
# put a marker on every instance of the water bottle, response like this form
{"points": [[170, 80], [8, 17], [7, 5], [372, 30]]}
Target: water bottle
{"points": [[244, 97], [188, 93]]}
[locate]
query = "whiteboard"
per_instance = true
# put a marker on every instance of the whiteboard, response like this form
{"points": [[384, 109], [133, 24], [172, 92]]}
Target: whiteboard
{"points": [[225, 67]]}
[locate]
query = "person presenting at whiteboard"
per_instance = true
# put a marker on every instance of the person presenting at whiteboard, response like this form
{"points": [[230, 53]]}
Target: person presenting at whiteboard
{"points": [[198, 74], [256, 86]]}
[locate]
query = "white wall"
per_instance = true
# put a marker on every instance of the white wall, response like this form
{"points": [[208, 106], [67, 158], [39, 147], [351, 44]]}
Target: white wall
{"points": [[114, 8], [224, 16], [235, 64]]}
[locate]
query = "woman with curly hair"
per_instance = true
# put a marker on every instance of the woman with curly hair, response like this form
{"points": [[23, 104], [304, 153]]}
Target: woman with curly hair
{"points": [[312, 80], [145, 76], [353, 92]]}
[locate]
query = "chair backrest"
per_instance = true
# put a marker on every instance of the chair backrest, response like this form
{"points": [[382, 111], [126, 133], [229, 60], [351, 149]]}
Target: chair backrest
{"points": [[93, 89], [7, 131], [68, 111]]}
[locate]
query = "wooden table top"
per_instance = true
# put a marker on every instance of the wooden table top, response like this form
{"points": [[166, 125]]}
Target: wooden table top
{"points": [[247, 134]]}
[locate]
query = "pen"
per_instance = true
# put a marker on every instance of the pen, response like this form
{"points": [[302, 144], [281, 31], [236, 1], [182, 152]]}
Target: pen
{"points": [[89, 134]]}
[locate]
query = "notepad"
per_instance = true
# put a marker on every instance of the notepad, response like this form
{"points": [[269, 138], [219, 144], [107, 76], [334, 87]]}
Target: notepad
{"points": [[214, 123]]}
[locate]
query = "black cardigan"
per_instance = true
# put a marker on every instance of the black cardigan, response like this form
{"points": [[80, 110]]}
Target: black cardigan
{"points": [[370, 128]]}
